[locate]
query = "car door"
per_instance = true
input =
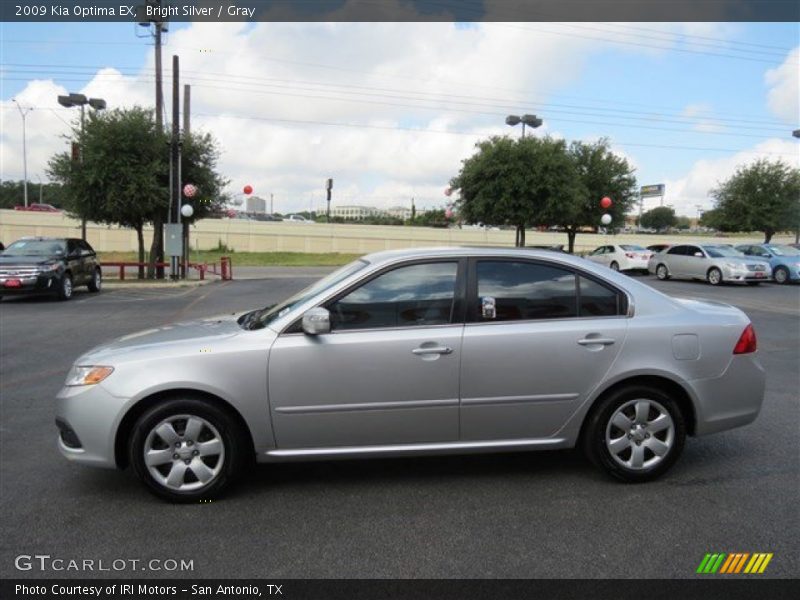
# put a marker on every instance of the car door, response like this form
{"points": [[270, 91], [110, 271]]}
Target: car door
{"points": [[539, 338], [675, 259], [696, 266], [599, 255], [88, 260], [387, 373], [75, 262]]}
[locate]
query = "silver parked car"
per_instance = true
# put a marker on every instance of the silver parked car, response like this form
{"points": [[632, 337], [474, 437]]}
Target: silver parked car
{"points": [[714, 263], [418, 352]]}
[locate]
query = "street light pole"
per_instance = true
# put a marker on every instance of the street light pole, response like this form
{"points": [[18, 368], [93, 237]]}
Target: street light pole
{"points": [[24, 113], [531, 121], [69, 101]]}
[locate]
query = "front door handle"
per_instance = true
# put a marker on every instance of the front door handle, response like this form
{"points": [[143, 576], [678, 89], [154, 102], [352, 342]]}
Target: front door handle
{"points": [[596, 341], [432, 350]]}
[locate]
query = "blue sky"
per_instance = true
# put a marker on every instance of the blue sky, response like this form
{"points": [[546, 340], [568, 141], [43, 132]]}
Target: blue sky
{"points": [[643, 90]]}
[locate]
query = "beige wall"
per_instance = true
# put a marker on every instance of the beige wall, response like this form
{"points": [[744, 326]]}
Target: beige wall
{"points": [[259, 236]]}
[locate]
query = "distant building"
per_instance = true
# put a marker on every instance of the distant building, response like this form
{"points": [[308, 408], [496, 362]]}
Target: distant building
{"points": [[256, 205], [399, 212], [355, 213]]}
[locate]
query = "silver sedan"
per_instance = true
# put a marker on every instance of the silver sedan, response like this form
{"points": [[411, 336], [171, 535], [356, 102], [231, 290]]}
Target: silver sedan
{"points": [[715, 264], [418, 352]]}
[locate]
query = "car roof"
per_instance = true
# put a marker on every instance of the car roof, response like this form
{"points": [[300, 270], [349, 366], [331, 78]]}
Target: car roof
{"points": [[40, 238], [391, 256]]}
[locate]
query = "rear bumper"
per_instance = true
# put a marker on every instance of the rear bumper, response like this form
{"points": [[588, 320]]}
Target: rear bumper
{"points": [[731, 400]]}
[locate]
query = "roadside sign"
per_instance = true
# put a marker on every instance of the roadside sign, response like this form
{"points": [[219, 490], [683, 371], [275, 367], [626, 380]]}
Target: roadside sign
{"points": [[648, 191]]}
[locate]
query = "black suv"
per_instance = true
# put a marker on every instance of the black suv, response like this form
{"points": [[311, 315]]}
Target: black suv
{"points": [[38, 265]]}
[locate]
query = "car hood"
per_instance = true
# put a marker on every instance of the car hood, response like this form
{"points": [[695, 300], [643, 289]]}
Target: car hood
{"points": [[26, 260], [169, 337]]}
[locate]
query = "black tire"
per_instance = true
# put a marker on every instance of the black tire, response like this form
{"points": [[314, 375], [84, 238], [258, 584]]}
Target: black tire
{"points": [[614, 266], [96, 282], [714, 276], [597, 425], [662, 272], [781, 275], [65, 287], [233, 458]]}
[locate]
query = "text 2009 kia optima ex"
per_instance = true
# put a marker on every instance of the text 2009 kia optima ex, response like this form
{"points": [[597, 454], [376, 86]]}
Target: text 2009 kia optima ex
{"points": [[418, 352]]}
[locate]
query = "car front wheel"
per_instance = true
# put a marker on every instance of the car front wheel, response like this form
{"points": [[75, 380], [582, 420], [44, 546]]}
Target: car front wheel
{"points": [[186, 450], [781, 275], [65, 287], [635, 434], [714, 276]]}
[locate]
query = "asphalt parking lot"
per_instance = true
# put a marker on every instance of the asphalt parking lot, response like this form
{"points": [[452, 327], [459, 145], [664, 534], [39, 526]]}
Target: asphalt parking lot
{"points": [[546, 514]]}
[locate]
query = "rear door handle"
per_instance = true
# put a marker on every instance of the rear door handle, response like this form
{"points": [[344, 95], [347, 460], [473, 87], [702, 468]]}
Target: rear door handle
{"points": [[433, 350], [596, 341]]}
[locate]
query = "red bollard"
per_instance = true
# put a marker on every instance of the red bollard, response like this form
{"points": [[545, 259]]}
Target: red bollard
{"points": [[223, 267]]}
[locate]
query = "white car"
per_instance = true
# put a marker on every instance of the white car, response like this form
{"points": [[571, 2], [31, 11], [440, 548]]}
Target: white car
{"points": [[621, 257], [297, 219]]}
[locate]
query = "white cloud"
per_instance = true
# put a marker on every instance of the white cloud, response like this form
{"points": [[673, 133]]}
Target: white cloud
{"points": [[783, 97], [695, 187]]}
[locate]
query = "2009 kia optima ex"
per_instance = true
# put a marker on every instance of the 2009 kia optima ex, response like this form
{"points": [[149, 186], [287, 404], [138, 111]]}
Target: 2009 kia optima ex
{"points": [[418, 352]]}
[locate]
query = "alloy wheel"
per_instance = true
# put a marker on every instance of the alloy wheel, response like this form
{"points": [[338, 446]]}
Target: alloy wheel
{"points": [[184, 453], [640, 434]]}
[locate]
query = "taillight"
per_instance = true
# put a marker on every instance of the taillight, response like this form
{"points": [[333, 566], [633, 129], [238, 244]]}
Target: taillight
{"points": [[630, 255], [747, 341]]}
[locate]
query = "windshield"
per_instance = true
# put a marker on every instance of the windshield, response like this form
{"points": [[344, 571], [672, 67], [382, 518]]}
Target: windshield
{"points": [[632, 248], [36, 248], [783, 250], [265, 316], [722, 251]]}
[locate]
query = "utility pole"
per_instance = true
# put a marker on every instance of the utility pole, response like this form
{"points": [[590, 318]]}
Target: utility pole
{"points": [[159, 24], [24, 113], [175, 158], [271, 205], [328, 188], [187, 100]]}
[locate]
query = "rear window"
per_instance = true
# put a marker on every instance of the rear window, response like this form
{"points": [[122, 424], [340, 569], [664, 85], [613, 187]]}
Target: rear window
{"points": [[633, 248]]}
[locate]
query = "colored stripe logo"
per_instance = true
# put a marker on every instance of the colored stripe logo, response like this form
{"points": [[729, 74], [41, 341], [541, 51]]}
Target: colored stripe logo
{"points": [[734, 563]]}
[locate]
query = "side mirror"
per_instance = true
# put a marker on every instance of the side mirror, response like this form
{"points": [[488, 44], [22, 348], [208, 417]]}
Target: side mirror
{"points": [[317, 321], [699, 254]]}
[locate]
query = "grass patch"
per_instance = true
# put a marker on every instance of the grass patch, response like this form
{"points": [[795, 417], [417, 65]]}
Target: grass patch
{"points": [[251, 259]]}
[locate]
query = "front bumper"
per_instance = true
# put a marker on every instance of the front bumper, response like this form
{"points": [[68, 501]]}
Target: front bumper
{"points": [[93, 416], [39, 284], [731, 400], [734, 275]]}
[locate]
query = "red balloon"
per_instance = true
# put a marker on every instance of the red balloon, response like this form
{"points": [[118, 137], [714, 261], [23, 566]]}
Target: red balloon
{"points": [[248, 189], [605, 202]]}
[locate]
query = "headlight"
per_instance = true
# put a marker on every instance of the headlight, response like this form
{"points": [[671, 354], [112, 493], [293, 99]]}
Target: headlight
{"points": [[88, 375], [734, 266], [47, 268]]}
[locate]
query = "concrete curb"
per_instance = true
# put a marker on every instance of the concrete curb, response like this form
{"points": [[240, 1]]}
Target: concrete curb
{"points": [[136, 284]]}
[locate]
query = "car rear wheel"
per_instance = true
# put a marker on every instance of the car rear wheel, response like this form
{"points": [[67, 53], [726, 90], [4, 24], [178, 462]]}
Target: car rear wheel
{"points": [[96, 281], [635, 433], [781, 275], [662, 272], [614, 266], [714, 276], [185, 450], [65, 287]]}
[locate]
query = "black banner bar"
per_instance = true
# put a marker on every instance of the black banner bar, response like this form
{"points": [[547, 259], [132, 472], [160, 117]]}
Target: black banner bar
{"points": [[739, 587], [400, 10]]}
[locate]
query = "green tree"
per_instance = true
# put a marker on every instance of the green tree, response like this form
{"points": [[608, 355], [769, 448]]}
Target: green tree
{"points": [[514, 182], [123, 177], [12, 194], [598, 173], [683, 223], [764, 196], [660, 217]]}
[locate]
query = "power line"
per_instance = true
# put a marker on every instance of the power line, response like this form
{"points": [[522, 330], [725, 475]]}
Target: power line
{"points": [[470, 101]]}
